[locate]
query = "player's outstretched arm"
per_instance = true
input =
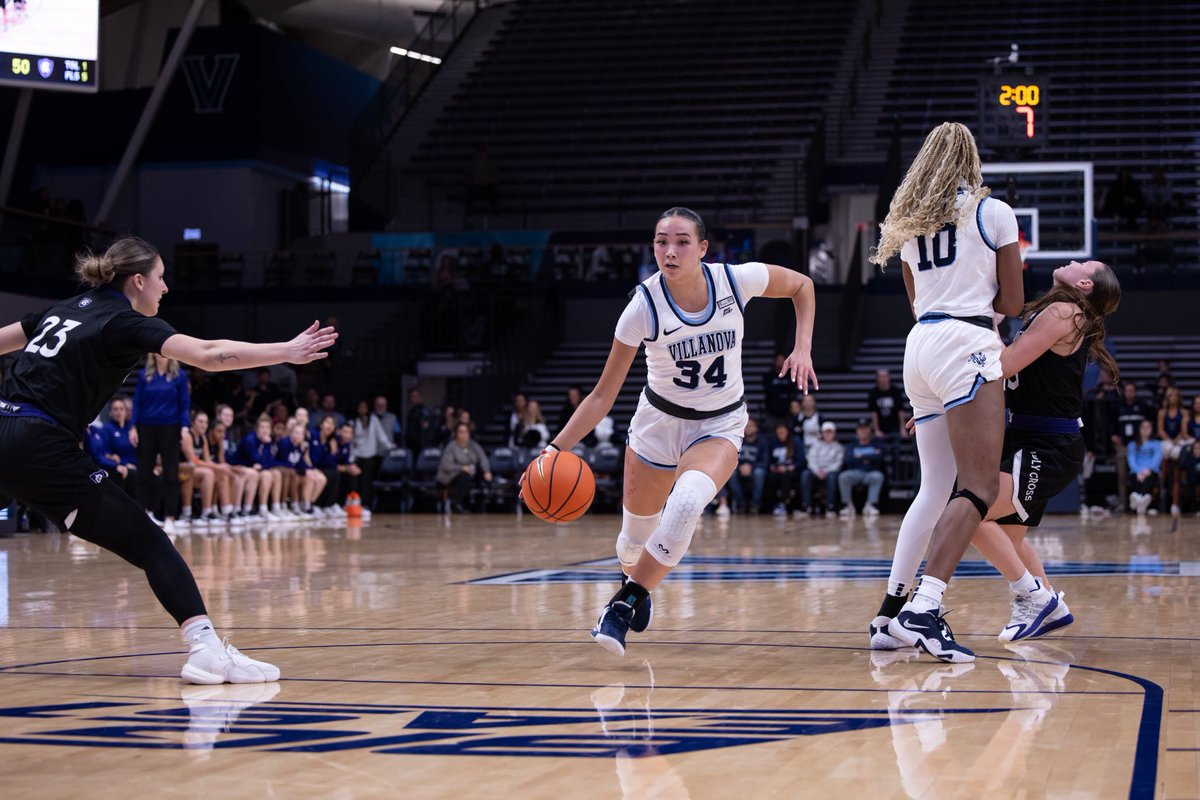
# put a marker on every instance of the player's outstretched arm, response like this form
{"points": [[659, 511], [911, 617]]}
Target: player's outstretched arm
{"points": [[599, 401], [217, 355], [12, 338], [1056, 325], [787, 283]]}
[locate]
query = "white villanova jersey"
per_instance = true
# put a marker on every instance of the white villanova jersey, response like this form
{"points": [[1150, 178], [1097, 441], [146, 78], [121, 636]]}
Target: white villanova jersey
{"points": [[694, 360], [954, 271]]}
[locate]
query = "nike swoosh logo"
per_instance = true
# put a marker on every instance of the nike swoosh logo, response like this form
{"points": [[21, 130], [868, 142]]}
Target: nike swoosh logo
{"points": [[668, 333], [916, 628]]}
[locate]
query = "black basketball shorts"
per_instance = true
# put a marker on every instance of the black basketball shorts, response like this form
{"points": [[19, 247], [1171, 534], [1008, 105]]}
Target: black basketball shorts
{"points": [[45, 467], [1041, 465]]}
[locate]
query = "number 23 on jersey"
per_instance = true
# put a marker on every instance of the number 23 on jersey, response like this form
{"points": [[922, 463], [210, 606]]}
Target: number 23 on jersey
{"points": [[50, 349]]}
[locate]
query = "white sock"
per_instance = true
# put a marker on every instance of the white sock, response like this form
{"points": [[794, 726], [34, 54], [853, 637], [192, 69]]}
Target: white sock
{"points": [[227, 509], [206, 511], [1026, 584], [201, 630], [938, 471], [274, 508], [929, 593]]}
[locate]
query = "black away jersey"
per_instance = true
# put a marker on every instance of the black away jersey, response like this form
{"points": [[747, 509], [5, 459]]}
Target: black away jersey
{"points": [[78, 354], [1051, 386]]}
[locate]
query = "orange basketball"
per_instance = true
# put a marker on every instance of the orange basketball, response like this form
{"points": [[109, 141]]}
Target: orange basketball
{"points": [[559, 487]]}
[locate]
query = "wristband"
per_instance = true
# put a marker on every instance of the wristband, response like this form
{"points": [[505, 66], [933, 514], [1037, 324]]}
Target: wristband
{"points": [[554, 447]]}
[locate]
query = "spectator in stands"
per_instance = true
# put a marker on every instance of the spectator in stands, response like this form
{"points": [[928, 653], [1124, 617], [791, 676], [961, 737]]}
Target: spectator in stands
{"points": [[256, 452], [1145, 464], [420, 424], [307, 482], [1193, 425], [1124, 201], [349, 472], [886, 406], [161, 411], [864, 465], [516, 417], [574, 398], [324, 455], [753, 460], [371, 444], [464, 466], [1189, 477], [311, 404], [119, 444], [533, 432], [1172, 429], [96, 446], [243, 480], [1131, 412], [778, 391], [446, 428], [329, 409], [785, 461], [264, 392], [196, 472], [824, 462], [387, 421], [1100, 411], [806, 421]]}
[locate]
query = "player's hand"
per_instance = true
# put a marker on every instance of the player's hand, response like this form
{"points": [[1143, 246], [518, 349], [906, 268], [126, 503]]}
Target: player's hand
{"points": [[311, 344], [798, 366], [910, 425]]}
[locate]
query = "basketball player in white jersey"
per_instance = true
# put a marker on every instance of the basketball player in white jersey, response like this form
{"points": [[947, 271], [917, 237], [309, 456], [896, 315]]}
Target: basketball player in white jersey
{"points": [[685, 435], [959, 252]]}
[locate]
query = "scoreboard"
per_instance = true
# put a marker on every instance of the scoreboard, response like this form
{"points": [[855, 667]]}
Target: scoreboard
{"points": [[49, 44], [1013, 111]]}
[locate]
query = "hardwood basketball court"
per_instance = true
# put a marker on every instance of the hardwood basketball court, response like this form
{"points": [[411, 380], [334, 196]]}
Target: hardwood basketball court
{"points": [[447, 657]]}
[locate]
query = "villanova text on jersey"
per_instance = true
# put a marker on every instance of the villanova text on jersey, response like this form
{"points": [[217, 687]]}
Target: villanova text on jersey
{"points": [[703, 344]]}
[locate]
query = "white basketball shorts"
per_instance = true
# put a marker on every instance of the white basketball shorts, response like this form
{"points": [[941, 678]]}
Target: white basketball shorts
{"points": [[660, 440], [946, 362]]}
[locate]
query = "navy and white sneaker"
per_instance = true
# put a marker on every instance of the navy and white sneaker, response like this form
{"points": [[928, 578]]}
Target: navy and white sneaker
{"points": [[1057, 616], [615, 621], [880, 638], [1029, 613], [643, 613], [928, 630]]}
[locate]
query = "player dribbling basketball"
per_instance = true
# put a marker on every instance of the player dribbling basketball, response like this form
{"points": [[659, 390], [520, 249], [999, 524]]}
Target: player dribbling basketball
{"points": [[685, 434]]}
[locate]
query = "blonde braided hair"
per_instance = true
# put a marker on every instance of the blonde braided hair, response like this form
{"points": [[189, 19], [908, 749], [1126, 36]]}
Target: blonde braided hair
{"points": [[927, 198]]}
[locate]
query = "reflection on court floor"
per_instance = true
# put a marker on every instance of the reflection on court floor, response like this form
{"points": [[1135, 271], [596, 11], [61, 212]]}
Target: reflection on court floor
{"points": [[449, 657]]}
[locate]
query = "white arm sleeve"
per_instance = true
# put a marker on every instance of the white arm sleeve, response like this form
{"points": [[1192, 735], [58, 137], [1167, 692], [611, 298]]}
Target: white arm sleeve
{"points": [[751, 278], [634, 324], [1000, 222]]}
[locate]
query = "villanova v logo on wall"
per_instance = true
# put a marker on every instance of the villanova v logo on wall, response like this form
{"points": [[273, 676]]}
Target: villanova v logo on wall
{"points": [[208, 79]]}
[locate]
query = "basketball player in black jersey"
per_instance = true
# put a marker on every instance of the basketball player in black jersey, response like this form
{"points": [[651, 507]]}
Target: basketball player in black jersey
{"points": [[75, 355], [1043, 448]]}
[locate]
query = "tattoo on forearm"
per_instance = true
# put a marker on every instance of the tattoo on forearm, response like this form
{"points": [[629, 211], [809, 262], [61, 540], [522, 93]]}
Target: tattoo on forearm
{"points": [[223, 357]]}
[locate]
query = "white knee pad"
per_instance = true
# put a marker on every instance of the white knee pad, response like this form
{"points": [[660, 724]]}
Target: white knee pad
{"points": [[692, 493], [635, 531]]}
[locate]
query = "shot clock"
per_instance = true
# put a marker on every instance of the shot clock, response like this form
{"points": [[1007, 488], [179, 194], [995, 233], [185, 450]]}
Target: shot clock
{"points": [[1013, 111]]}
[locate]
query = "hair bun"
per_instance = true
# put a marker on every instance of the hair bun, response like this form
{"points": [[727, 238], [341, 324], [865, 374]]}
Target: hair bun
{"points": [[94, 270]]}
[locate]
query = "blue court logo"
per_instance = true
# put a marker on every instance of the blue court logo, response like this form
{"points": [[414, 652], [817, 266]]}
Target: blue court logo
{"points": [[152, 723]]}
